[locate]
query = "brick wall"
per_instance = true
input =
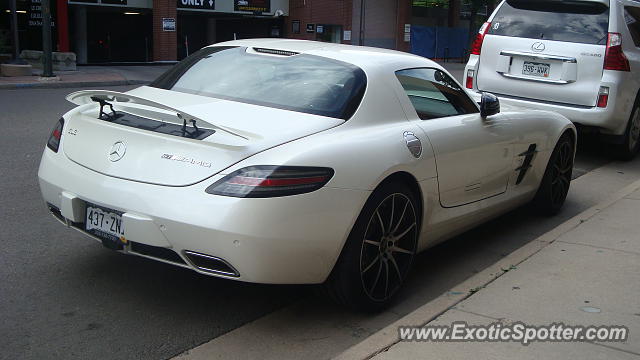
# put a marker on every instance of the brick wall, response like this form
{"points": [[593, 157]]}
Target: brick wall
{"points": [[324, 12], [384, 20], [404, 17], [165, 45]]}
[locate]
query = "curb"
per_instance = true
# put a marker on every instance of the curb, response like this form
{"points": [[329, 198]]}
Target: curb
{"points": [[59, 85], [388, 336]]}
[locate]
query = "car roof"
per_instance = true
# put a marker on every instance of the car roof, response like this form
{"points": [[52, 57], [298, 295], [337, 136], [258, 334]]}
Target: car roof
{"points": [[367, 58]]}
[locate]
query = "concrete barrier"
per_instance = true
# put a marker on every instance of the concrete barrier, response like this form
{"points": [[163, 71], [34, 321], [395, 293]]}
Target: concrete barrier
{"points": [[62, 61], [15, 70]]}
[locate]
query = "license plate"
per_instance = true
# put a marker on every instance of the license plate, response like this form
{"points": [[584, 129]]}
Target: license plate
{"points": [[104, 223], [536, 69]]}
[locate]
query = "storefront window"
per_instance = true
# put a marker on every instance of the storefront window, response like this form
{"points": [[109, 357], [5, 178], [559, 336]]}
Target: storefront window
{"points": [[295, 26], [329, 33]]}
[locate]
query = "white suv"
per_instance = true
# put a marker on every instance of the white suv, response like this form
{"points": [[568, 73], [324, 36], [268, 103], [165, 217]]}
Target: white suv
{"points": [[580, 58]]}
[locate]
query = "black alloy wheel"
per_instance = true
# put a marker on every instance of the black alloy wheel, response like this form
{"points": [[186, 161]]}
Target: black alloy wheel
{"points": [[388, 247], [379, 251], [555, 184]]}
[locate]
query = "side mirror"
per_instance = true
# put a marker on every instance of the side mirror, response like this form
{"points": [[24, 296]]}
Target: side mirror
{"points": [[489, 105]]}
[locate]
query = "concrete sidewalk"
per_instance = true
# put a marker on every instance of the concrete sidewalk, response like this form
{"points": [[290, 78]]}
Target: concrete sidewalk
{"points": [[584, 272], [87, 76]]}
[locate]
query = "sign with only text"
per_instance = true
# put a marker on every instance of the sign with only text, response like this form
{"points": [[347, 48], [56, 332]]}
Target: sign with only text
{"points": [[196, 4], [35, 13]]}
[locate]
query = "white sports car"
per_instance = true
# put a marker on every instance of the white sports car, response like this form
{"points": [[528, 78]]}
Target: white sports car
{"points": [[298, 162]]}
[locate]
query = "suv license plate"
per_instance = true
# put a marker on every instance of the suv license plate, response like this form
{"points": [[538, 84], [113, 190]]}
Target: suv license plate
{"points": [[104, 223], [536, 69]]}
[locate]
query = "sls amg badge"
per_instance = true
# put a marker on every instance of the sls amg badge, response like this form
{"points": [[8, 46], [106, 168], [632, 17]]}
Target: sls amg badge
{"points": [[186, 159]]}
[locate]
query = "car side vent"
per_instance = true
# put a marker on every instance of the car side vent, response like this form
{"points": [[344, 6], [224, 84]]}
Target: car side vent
{"points": [[275, 51]]}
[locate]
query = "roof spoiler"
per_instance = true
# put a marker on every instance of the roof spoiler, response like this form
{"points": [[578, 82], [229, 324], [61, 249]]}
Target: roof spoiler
{"points": [[87, 97]]}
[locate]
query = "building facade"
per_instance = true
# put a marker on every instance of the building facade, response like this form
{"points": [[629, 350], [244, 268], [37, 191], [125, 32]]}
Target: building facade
{"points": [[432, 28], [379, 23], [128, 31]]}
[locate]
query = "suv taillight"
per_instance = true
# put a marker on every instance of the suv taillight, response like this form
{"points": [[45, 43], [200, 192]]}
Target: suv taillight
{"points": [[603, 97], [614, 58], [469, 82], [476, 47], [271, 181], [54, 139]]}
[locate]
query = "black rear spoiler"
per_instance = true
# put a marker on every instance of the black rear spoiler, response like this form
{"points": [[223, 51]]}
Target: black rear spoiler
{"points": [[114, 97]]}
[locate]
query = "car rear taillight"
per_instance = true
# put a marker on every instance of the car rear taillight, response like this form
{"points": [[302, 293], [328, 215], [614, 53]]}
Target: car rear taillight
{"points": [[271, 181], [476, 47], [54, 139], [603, 97], [614, 58], [470, 75]]}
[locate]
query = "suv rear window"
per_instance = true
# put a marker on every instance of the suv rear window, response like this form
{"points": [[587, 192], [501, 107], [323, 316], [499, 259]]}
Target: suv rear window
{"points": [[570, 21], [632, 18], [298, 82]]}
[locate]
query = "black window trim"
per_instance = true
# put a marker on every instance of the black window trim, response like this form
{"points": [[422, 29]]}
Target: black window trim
{"points": [[462, 89]]}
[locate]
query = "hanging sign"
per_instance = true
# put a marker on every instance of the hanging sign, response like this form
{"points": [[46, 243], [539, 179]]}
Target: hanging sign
{"points": [[254, 6], [196, 4]]}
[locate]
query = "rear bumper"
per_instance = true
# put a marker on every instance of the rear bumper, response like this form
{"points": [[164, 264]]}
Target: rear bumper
{"points": [[286, 240], [611, 120]]}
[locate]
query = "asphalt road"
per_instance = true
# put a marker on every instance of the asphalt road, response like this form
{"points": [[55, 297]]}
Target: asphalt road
{"points": [[64, 296]]}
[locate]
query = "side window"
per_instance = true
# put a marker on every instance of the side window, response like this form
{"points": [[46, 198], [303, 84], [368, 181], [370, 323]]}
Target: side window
{"points": [[434, 94], [632, 18]]}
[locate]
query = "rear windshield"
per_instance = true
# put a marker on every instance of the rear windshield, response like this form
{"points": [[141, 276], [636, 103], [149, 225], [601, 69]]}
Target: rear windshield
{"points": [[570, 21], [299, 82]]}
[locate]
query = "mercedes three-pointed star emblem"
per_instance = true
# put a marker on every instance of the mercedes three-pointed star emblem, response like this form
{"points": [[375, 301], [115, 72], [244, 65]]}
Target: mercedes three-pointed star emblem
{"points": [[117, 151]]}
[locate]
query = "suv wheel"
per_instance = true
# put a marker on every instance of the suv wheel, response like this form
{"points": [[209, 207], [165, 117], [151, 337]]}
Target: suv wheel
{"points": [[631, 145]]}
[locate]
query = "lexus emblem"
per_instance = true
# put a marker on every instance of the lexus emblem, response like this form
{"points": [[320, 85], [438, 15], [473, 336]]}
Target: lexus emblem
{"points": [[117, 151], [538, 46]]}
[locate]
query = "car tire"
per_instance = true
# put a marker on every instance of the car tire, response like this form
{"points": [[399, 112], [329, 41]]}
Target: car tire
{"points": [[555, 183], [631, 145], [379, 251]]}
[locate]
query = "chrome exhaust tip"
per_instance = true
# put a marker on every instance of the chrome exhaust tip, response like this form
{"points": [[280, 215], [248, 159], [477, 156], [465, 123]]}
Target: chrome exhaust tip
{"points": [[210, 264]]}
